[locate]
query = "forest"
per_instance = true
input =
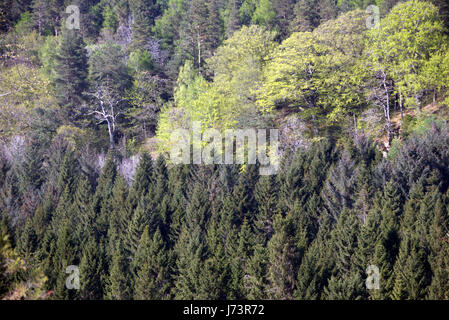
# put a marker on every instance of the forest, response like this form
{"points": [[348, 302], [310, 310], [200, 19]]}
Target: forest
{"points": [[92, 206]]}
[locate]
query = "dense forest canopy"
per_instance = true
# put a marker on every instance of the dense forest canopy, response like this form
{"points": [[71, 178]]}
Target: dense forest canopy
{"points": [[358, 90]]}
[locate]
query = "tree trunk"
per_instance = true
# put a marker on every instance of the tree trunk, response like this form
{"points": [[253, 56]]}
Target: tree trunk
{"points": [[111, 134], [387, 108]]}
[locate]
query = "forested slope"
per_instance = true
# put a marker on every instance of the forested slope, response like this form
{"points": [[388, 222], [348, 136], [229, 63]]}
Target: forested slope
{"points": [[86, 179]]}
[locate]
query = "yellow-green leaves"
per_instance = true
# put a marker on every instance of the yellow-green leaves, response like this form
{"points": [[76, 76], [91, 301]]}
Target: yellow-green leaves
{"points": [[313, 72]]}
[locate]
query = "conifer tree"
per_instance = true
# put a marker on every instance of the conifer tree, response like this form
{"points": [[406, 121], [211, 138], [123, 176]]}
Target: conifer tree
{"points": [[266, 196], [82, 208], [153, 278], [136, 227], [118, 283], [191, 247], [340, 187], [284, 257], [387, 247], [145, 13], [410, 271], [307, 16], [239, 261], [308, 281], [439, 252], [27, 243], [101, 204], [142, 179], [92, 271], [66, 253], [71, 70], [255, 280], [243, 194], [121, 213]]}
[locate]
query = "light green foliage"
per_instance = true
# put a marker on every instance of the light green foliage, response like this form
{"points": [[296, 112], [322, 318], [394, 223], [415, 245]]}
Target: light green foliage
{"points": [[23, 89], [264, 14], [238, 64], [313, 72], [403, 44], [195, 100]]}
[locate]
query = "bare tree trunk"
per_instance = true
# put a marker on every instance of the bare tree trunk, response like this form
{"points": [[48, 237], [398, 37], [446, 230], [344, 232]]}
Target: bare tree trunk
{"points": [[387, 108], [199, 53], [111, 134], [418, 101], [355, 127], [400, 106]]}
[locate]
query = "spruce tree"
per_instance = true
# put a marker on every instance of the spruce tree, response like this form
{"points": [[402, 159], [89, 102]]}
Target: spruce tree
{"points": [[191, 247], [239, 261], [118, 283], [121, 213], [145, 13], [71, 70], [142, 179], [136, 227], [284, 257], [153, 278], [266, 196], [439, 252], [92, 269], [410, 271], [255, 281]]}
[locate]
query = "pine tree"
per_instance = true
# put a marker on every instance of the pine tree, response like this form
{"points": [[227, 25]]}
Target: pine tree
{"points": [[340, 186], [266, 196], [233, 20], [255, 280], [27, 243], [118, 283], [145, 13], [347, 288], [239, 261], [243, 194], [153, 278], [136, 227], [71, 70], [410, 271], [142, 180], [387, 248], [347, 282], [30, 171], [121, 213], [284, 257], [66, 252], [190, 251], [191, 247], [308, 281], [307, 16], [82, 208], [439, 252], [101, 204], [68, 173], [92, 270]]}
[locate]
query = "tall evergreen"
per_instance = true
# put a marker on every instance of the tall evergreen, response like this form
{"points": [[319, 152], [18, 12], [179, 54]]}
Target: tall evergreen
{"points": [[71, 70], [118, 282], [153, 278]]}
